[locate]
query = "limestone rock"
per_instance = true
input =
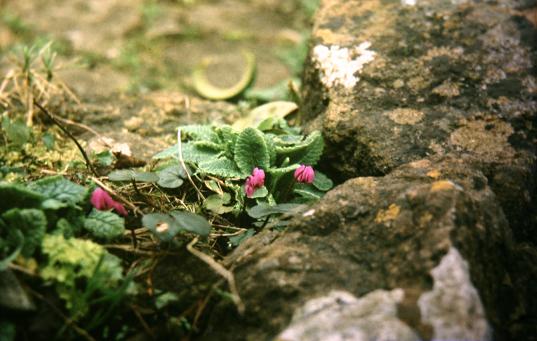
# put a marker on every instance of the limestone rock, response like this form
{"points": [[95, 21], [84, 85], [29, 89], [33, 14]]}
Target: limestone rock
{"points": [[341, 316], [453, 307], [442, 77], [385, 233]]}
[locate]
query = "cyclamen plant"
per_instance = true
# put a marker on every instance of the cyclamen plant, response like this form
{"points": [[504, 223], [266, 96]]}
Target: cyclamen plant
{"points": [[268, 165]]}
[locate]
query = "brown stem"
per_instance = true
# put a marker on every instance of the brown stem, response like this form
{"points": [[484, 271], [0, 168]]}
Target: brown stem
{"points": [[56, 122]]}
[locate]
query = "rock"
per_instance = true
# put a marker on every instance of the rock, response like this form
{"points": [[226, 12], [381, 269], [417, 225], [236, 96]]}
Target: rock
{"points": [[453, 306], [437, 77], [341, 316], [387, 233]]}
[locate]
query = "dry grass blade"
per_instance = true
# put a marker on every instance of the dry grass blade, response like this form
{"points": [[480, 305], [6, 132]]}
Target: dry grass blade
{"points": [[183, 164]]}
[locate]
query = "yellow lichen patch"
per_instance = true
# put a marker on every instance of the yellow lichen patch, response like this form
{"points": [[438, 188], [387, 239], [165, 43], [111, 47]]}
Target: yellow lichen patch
{"points": [[488, 139], [425, 219], [367, 182], [424, 163], [330, 37], [435, 173], [442, 185], [391, 213], [405, 116], [447, 89]]}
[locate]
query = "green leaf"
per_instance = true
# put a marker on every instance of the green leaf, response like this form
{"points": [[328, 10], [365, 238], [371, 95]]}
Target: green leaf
{"points": [[60, 189], [199, 132], [166, 226], [104, 224], [16, 131], [192, 222], [314, 151], [171, 177], [53, 204], [308, 192], [191, 153], [271, 147], [196, 154], [251, 151], [306, 152], [130, 175], [105, 158], [237, 240], [165, 299], [322, 182], [17, 243], [213, 186], [286, 140], [168, 152], [65, 228], [77, 267], [162, 225], [224, 168], [216, 203], [282, 170], [48, 140], [260, 193], [228, 137], [262, 210], [217, 147], [31, 222], [19, 196]]}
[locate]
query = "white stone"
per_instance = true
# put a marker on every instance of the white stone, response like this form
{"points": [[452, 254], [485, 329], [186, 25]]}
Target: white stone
{"points": [[453, 307], [340, 316]]}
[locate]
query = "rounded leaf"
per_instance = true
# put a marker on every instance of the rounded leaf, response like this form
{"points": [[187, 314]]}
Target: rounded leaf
{"points": [[251, 151]]}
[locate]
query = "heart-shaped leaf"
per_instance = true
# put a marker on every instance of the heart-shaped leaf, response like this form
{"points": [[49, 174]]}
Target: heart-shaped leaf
{"points": [[251, 151], [104, 224], [167, 226], [171, 177]]}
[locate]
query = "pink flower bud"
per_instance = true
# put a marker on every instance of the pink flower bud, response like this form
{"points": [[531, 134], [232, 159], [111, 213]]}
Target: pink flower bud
{"points": [[249, 188], [305, 174], [102, 201], [254, 181], [258, 177]]}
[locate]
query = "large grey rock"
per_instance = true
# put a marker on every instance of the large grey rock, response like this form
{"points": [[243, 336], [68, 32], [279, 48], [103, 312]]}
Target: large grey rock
{"points": [[386, 233], [445, 77]]}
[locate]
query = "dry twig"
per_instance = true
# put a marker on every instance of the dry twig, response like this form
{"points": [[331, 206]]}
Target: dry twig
{"points": [[62, 128], [219, 269]]}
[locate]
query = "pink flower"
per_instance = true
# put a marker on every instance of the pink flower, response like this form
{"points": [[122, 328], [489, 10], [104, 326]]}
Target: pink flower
{"points": [[305, 174], [102, 201], [258, 177], [254, 181], [249, 188]]}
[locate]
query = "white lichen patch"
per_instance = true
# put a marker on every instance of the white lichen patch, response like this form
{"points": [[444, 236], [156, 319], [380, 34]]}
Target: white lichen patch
{"points": [[453, 308], [339, 65], [342, 316]]}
